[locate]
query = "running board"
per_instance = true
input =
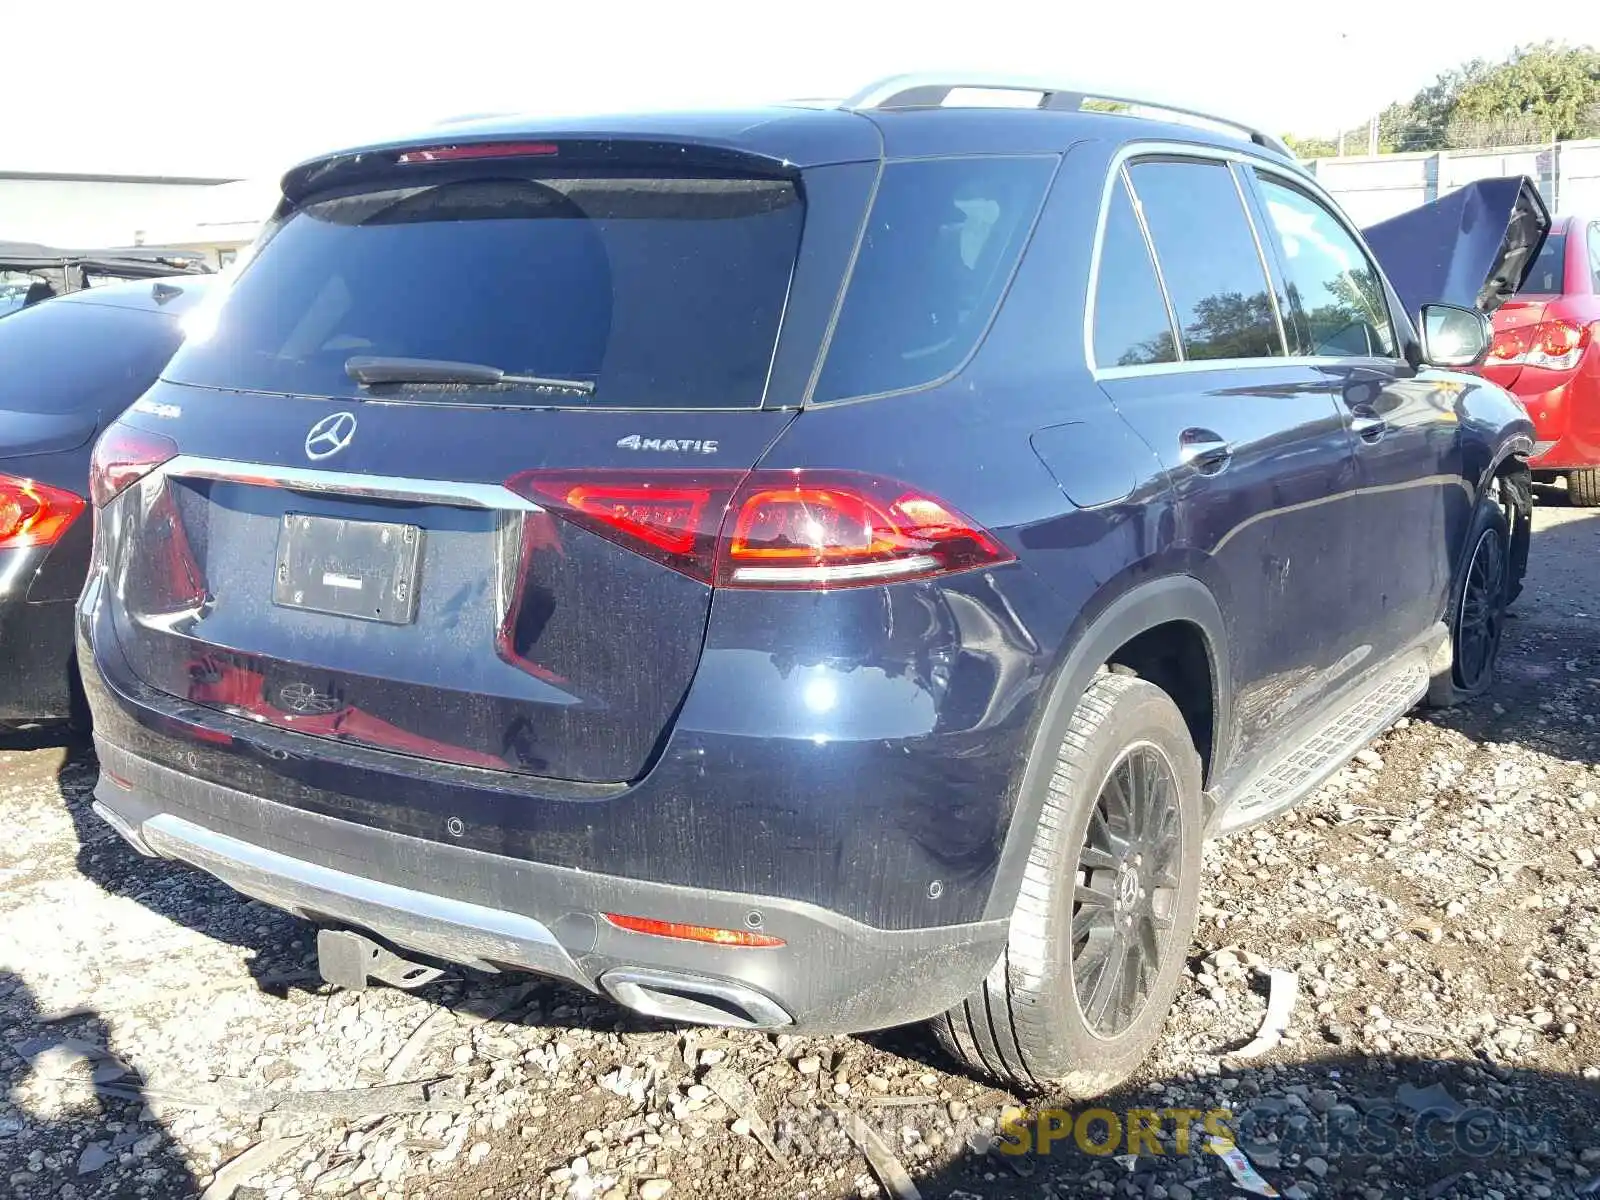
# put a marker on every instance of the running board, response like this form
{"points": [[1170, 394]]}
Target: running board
{"points": [[1286, 781]]}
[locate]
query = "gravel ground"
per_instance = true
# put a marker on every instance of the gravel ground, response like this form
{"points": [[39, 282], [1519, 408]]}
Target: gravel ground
{"points": [[1438, 905]]}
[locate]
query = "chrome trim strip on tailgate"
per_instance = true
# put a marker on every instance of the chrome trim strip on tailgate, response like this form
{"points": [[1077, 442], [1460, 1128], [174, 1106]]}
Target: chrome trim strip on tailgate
{"points": [[348, 483], [455, 930]]}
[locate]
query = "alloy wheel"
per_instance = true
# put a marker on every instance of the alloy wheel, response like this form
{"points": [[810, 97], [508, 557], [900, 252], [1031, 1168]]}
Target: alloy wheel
{"points": [[1482, 616], [1126, 895]]}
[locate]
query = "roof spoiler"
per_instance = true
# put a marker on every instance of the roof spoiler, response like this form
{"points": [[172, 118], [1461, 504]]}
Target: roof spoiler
{"points": [[1472, 248]]}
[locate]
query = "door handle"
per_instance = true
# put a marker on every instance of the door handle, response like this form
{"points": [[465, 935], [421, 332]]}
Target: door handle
{"points": [[1203, 450], [1368, 425]]}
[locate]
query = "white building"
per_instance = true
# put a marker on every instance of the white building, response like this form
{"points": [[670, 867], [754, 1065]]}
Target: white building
{"points": [[84, 210], [219, 220]]}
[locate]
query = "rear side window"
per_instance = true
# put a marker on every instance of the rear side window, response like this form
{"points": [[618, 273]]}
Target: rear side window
{"points": [[69, 356], [1131, 325], [1334, 291], [661, 292], [1546, 278], [941, 244], [1208, 258]]}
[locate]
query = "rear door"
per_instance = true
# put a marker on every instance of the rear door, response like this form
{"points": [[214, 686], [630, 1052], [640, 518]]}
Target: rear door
{"points": [[1414, 499], [508, 576], [1258, 453]]}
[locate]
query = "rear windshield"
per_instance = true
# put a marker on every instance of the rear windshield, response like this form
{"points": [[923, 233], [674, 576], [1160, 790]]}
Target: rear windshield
{"points": [[70, 356], [661, 292], [1546, 277]]}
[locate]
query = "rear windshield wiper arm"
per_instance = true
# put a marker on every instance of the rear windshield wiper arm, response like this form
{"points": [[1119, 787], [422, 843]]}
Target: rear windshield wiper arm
{"points": [[369, 370]]}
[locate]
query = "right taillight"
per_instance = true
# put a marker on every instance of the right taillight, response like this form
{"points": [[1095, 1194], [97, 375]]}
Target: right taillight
{"points": [[123, 456], [1553, 345], [771, 529]]}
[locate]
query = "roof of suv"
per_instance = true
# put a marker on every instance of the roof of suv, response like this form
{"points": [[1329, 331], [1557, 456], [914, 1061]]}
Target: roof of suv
{"points": [[879, 123]]}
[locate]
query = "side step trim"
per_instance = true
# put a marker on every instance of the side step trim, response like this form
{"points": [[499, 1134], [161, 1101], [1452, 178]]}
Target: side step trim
{"points": [[1315, 757]]}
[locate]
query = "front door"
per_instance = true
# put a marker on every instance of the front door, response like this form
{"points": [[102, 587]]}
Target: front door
{"points": [[1415, 501]]}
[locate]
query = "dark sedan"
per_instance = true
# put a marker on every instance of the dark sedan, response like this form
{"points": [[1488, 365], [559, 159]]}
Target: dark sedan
{"points": [[68, 368]]}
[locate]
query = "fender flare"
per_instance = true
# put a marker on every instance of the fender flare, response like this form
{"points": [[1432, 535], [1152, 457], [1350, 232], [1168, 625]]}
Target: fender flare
{"points": [[1170, 598], [1516, 444]]}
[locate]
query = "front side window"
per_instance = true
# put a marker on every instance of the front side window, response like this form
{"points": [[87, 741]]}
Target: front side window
{"points": [[941, 244], [1208, 258], [1131, 324], [1334, 291], [1594, 254]]}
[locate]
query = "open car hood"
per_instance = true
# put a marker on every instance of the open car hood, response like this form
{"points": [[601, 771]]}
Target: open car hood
{"points": [[1472, 248]]}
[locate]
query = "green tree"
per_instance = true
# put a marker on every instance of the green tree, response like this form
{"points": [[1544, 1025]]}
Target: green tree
{"points": [[1557, 86], [1540, 91]]}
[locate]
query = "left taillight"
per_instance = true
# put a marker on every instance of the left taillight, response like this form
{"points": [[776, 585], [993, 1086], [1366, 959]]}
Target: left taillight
{"points": [[123, 456], [1553, 345], [771, 529], [34, 513]]}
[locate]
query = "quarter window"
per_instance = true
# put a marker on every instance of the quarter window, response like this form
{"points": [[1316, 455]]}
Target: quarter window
{"points": [[1334, 292], [1209, 259], [1131, 325], [941, 244]]}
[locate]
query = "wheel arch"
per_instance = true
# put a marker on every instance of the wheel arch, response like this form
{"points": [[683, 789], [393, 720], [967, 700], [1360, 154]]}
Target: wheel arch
{"points": [[1508, 474], [1171, 599]]}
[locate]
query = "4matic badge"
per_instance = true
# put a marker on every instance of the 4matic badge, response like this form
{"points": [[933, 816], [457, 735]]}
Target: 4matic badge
{"points": [[671, 445]]}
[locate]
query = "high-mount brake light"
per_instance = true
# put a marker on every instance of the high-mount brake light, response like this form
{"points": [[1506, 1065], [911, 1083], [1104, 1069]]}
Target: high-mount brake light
{"points": [[34, 513], [477, 150], [123, 456], [770, 529]]}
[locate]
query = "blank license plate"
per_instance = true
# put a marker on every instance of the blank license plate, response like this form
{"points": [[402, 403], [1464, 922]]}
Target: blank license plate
{"points": [[362, 569]]}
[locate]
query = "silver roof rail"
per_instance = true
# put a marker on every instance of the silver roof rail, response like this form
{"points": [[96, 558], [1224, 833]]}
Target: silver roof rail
{"points": [[932, 90]]}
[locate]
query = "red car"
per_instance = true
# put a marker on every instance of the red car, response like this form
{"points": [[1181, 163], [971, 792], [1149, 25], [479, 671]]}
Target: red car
{"points": [[1547, 351]]}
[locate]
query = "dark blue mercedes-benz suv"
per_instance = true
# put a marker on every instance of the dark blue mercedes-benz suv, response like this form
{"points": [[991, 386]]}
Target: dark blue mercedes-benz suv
{"points": [[822, 567]]}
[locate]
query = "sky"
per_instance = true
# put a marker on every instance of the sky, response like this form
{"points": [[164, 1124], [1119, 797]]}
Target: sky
{"points": [[226, 89]]}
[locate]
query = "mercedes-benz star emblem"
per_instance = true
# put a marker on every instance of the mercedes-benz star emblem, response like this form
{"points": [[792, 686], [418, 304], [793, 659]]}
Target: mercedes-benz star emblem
{"points": [[330, 435], [304, 699]]}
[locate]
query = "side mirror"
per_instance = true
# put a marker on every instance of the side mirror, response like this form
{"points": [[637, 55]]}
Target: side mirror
{"points": [[1454, 337]]}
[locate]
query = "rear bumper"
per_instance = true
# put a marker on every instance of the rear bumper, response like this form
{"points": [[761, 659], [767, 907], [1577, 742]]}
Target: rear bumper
{"points": [[832, 975]]}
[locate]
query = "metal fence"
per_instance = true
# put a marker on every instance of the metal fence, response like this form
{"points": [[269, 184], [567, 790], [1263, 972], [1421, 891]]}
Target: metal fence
{"points": [[1373, 188]]}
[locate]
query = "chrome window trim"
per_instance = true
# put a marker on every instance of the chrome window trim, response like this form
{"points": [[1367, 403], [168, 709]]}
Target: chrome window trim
{"points": [[1192, 365], [1295, 176], [491, 496]]}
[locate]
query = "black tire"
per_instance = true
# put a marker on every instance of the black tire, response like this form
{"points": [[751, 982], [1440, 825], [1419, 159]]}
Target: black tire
{"points": [[1477, 611], [1026, 1025], [1583, 487]]}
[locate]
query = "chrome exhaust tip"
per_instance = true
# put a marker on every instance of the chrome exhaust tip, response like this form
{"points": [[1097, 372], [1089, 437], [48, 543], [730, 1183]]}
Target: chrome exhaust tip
{"points": [[693, 999]]}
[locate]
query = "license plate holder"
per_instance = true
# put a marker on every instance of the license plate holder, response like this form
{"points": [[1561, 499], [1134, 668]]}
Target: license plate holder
{"points": [[362, 569]]}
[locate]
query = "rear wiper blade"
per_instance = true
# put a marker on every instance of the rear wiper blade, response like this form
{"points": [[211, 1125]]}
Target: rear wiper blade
{"points": [[369, 370]]}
